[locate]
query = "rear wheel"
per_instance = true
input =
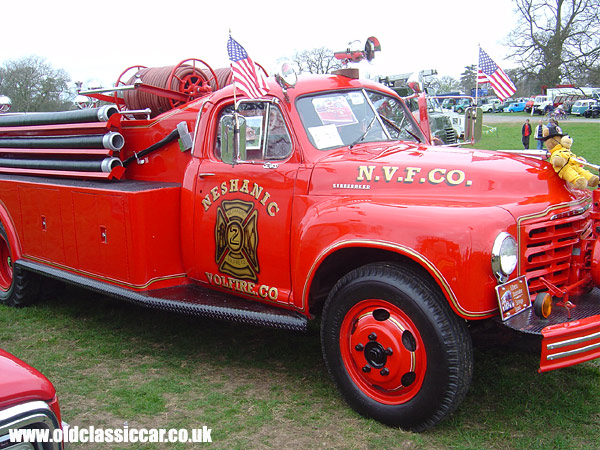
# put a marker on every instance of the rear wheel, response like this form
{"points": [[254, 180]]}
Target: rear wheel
{"points": [[394, 348], [17, 287]]}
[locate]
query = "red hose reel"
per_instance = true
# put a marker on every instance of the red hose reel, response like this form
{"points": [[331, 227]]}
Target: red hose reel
{"points": [[164, 88]]}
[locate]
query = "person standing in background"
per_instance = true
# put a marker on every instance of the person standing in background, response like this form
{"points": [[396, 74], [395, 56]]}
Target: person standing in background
{"points": [[538, 134], [526, 134]]}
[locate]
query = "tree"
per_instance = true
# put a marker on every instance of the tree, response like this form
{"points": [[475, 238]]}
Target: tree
{"points": [[33, 85], [556, 40], [317, 60], [448, 84], [468, 79]]}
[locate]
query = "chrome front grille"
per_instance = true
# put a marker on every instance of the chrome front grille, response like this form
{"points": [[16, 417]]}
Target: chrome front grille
{"points": [[547, 247], [32, 415], [451, 137]]}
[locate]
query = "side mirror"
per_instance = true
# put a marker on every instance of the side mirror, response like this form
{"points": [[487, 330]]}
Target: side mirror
{"points": [[424, 115], [287, 76], [233, 138], [473, 124]]}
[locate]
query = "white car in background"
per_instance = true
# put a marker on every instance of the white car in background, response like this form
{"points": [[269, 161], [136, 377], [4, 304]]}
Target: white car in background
{"points": [[491, 105]]}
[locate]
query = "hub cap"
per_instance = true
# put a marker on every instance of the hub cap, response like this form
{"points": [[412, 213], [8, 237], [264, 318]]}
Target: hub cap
{"points": [[383, 351]]}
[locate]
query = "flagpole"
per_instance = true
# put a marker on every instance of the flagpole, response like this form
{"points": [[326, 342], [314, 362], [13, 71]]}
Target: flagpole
{"points": [[476, 98], [235, 105], [477, 78], [236, 126]]}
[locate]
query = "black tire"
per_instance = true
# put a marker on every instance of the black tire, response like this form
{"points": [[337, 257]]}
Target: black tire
{"points": [[17, 287], [420, 331]]}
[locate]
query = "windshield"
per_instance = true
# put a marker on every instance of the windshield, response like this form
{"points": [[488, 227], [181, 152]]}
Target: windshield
{"points": [[347, 118]]}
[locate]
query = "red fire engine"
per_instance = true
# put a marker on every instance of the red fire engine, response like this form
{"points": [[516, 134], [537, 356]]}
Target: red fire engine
{"points": [[324, 198]]}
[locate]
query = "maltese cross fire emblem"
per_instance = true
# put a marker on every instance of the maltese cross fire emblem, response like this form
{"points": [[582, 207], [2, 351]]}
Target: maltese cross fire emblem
{"points": [[236, 239]]}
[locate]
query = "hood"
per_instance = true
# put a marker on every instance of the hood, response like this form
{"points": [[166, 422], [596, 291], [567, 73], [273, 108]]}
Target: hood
{"points": [[20, 382], [418, 173]]}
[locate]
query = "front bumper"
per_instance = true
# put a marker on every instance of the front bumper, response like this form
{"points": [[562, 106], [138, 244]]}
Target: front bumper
{"points": [[565, 341]]}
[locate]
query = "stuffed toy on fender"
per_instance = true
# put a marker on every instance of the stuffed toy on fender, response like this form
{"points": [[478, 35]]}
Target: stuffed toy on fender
{"points": [[564, 161]]}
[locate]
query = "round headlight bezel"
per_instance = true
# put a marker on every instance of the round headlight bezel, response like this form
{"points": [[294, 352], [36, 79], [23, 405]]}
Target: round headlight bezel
{"points": [[505, 255]]}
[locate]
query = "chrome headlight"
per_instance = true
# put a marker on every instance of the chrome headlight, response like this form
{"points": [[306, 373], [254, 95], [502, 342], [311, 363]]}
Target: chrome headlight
{"points": [[504, 256]]}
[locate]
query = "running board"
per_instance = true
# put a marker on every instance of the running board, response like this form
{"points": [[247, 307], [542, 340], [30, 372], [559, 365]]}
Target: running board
{"points": [[187, 299]]}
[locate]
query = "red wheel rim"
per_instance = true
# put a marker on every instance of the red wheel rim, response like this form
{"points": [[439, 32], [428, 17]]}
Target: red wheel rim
{"points": [[6, 271], [383, 351]]}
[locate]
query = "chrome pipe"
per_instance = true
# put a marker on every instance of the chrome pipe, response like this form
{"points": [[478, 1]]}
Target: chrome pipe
{"points": [[101, 114], [111, 141]]}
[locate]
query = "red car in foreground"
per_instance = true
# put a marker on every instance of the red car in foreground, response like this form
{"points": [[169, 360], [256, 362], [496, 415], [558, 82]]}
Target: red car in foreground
{"points": [[27, 401]]}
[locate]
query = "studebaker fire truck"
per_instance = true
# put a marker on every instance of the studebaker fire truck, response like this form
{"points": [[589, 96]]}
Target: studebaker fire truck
{"points": [[322, 199]]}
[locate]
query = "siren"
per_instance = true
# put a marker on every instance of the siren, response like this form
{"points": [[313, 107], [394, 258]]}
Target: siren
{"points": [[372, 45]]}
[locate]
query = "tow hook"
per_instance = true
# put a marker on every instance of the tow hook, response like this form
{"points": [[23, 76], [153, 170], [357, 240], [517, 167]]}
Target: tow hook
{"points": [[563, 294]]}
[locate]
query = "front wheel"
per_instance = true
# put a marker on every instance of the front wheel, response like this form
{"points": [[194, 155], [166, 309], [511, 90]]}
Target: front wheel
{"points": [[394, 348], [17, 287]]}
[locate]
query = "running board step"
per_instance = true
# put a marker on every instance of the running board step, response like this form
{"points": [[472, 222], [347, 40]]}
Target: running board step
{"points": [[186, 299]]}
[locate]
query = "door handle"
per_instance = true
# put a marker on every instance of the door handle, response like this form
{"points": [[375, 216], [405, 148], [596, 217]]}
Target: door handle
{"points": [[206, 174]]}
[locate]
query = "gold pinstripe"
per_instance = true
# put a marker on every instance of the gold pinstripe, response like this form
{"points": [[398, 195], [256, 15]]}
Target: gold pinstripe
{"points": [[404, 250], [103, 278]]}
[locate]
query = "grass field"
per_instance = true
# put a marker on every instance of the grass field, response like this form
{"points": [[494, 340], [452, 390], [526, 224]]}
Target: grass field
{"points": [[113, 363], [507, 136]]}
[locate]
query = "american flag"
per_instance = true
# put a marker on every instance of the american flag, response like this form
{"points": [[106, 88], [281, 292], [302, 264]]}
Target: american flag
{"points": [[489, 72], [247, 76]]}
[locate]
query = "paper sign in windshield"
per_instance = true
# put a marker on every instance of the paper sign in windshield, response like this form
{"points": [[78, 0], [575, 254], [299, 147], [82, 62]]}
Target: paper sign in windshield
{"points": [[326, 136], [334, 110], [253, 132]]}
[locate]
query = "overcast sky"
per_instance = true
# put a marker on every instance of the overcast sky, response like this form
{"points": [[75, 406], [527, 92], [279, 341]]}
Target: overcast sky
{"points": [[98, 40]]}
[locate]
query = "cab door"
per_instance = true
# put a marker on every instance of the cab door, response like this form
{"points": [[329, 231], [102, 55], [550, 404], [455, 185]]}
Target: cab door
{"points": [[243, 211]]}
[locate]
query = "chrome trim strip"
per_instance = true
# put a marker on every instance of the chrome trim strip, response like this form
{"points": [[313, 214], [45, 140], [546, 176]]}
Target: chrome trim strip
{"points": [[578, 340], [573, 352]]}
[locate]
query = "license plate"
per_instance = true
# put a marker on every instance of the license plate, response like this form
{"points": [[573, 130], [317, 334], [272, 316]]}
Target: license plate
{"points": [[513, 297]]}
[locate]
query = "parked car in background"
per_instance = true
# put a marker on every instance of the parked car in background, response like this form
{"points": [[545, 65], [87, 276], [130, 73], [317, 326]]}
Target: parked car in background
{"points": [[503, 107], [457, 104], [529, 104], [27, 401], [592, 111], [516, 107], [581, 106], [491, 105]]}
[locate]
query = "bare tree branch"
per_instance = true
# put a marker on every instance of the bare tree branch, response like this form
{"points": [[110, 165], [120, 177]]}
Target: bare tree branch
{"points": [[558, 40], [316, 60]]}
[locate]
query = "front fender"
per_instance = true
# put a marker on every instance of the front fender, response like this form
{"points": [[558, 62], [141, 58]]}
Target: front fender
{"points": [[452, 243], [11, 231]]}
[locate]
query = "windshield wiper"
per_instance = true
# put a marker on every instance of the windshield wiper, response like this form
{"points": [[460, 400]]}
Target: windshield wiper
{"points": [[364, 135], [400, 131]]}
